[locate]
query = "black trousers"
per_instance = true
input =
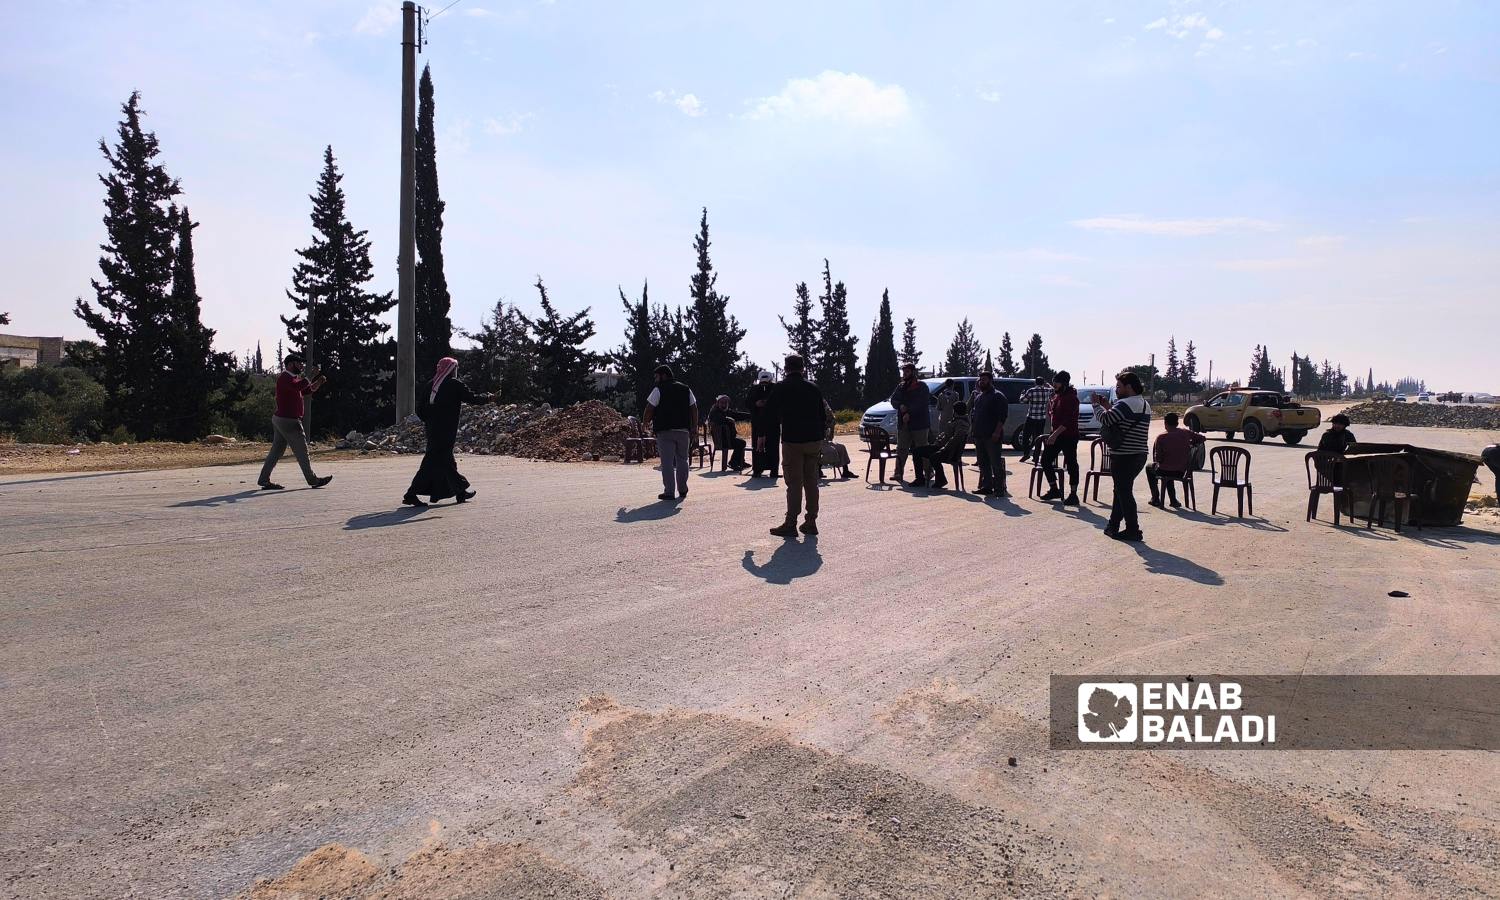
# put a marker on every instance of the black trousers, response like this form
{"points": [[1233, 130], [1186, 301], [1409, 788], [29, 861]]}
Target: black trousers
{"points": [[1155, 476], [1067, 447], [1124, 470], [1033, 429]]}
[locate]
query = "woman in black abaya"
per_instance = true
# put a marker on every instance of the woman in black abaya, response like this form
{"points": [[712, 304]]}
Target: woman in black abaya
{"points": [[438, 406]]}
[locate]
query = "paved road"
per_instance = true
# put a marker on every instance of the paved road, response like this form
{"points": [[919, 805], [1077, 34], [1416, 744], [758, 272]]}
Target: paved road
{"points": [[566, 689]]}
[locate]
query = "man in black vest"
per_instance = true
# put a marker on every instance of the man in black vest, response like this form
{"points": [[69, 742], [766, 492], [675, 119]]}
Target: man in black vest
{"points": [[798, 406], [672, 415]]}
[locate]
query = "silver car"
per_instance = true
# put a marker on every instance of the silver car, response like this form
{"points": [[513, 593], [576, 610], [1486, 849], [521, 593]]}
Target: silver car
{"points": [[883, 416]]}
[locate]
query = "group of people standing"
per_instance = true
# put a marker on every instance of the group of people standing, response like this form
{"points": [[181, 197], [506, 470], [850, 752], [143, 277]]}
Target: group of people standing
{"points": [[790, 424]]}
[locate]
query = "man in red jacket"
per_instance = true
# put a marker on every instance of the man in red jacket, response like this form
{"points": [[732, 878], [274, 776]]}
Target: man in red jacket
{"points": [[286, 423]]}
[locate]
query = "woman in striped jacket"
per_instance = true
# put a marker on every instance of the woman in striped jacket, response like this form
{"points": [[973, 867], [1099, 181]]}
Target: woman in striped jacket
{"points": [[1132, 414]]}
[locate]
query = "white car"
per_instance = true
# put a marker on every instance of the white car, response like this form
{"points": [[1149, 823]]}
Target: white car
{"points": [[1400, 398], [1424, 398], [1088, 423]]}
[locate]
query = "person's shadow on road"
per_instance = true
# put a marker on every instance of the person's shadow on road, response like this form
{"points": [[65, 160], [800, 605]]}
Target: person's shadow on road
{"points": [[222, 500], [399, 516], [1158, 562], [791, 560], [662, 509]]}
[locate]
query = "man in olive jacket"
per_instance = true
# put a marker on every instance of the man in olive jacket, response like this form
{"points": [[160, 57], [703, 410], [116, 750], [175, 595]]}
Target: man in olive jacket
{"points": [[798, 406]]}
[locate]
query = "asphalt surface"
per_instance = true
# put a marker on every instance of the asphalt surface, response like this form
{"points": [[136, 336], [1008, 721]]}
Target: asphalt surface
{"points": [[568, 689]]}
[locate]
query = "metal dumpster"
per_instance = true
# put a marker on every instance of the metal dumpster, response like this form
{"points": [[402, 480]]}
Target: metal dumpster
{"points": [[1440, 480]]}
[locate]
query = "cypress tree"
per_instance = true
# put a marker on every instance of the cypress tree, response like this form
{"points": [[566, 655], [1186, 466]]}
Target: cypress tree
{"points": [[989, 365], [1189, 371], [963, 352], [434, 328], [258, 362], [713, 335], [337, 324], [503, 360], [1034, 360], [881, 363], [1007, 356], [140, 221], [641, 353], [910, 355], [201, 381], [802, 331], [558, 344], [837, 349]]}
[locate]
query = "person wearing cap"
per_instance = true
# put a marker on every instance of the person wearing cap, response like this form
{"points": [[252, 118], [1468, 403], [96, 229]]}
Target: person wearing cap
{"points": [[913, 423], [765, 439], [1062, 440], [803, 414], [672, 415], [286, 422], [721, 424], [1338, 437]]}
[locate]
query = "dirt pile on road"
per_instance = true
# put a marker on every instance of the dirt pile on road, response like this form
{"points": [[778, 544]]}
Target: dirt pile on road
{"points": [[584, 431], [1425, 415]]}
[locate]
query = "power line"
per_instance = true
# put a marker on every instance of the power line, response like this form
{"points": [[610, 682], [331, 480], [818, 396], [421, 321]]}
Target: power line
{"points": [[444, 9]]}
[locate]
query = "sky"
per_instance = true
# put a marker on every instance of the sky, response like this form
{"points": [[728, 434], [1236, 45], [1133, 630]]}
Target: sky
{"points": [[1315, 177]]}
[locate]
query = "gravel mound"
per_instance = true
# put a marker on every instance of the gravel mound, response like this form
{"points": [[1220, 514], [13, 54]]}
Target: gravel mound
{"points": [[1425, 415], [590, 430]]}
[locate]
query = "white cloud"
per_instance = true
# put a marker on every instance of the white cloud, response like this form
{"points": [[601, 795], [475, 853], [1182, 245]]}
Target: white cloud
{"points": [[836, 96], [688, 104], [1306, 42], [1214, 34], [1159, 23], [1135, 224], [1179, 26], [479, 12], [1109, 21], [378, 19], [508, 125], [1323, 240], [988, 96], [1263, 265]]}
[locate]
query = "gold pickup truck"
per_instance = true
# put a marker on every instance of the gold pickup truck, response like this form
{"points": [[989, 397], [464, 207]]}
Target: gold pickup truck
{"points": [[1256, 413]]}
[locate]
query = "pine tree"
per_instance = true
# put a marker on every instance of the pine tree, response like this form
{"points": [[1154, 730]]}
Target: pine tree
{"points": [[1174, 368], [837, 349], [714, 364], [434, 328], [132, 321], [558, 343], [802, 331], [337, 324], [641, 353], [881, 362], [1007, 356], [202, 382], [989, 365], [910, 355], [1034, 361], [963, 352], [503, 360], [280, 357], [670, 328], [258, 362]]}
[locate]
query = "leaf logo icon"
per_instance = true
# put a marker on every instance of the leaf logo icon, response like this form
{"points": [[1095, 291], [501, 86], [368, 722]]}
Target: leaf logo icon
{"points": [[1108, 714]]}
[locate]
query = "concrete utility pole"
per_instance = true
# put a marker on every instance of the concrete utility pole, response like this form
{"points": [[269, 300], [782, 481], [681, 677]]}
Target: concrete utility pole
{"points": [[406, 318]]}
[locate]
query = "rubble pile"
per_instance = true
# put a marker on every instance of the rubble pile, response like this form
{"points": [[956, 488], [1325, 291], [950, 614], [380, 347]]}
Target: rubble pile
{"points": [[589, 430], [585, 431], [1425, 415]]}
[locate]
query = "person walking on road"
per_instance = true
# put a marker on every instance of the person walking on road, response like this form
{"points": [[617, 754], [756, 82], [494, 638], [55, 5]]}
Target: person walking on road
{"points": [[1062, 441], [913, 422], [672, 415], [803, 415], [765, 442], [987, 414], [439, 404], [1171, 459], [286, 422], [1127, 425], [1038, 400]]}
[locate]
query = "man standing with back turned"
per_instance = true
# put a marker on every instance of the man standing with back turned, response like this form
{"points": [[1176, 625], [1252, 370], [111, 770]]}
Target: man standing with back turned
{"points": [[799, 406], [286, 423], [672, 415]]}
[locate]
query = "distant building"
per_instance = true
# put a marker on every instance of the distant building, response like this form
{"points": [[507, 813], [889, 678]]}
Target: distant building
{"points": [[605, 381], [25, 352]]}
